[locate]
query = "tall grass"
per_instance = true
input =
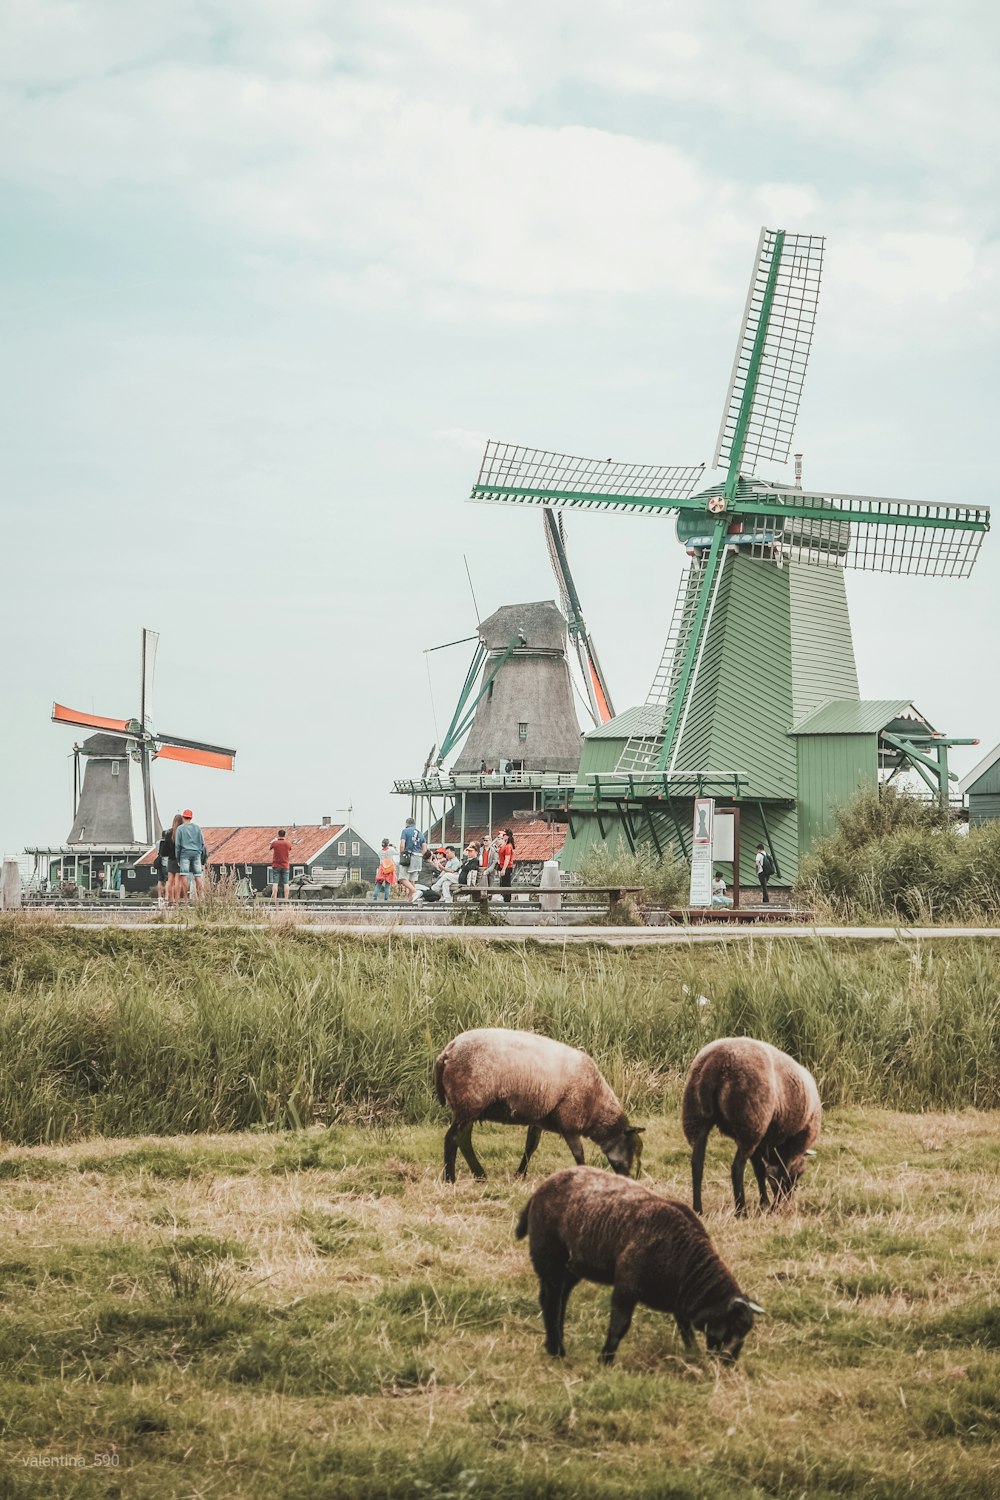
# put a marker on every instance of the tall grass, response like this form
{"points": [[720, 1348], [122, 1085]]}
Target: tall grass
{"points": [[217, 1029], [894, 856]]}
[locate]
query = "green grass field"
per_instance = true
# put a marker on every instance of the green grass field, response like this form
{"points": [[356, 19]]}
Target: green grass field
{"points": [[199, 1301], [317, 1314]]}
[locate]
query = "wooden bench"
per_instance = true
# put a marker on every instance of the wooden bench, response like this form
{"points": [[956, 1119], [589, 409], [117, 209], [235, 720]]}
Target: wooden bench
{"points": [[487, 892], [695, 915]]}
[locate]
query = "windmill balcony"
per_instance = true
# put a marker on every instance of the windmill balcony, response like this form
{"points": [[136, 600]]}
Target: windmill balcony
{"points": [[494, 781]]}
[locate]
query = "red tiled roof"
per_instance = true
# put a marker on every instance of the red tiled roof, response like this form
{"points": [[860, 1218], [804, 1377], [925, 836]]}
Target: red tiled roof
{"points": [[534, 839], [252, 846]]}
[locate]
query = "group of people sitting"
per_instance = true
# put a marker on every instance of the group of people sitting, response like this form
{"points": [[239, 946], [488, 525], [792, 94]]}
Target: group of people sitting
{"points": [[426, 874]]}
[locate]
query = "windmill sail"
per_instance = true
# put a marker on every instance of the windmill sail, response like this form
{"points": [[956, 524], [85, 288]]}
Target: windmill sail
{"points": [[63, 715], [194, 752], [772, 351], [598, 696], [514, 475]]}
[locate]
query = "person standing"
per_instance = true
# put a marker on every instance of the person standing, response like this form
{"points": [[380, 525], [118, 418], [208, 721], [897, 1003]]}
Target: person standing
{"points": [[191, 853], [411, 856], [488, 862], [281, 854], [176, 887], [764, 866], [385, 875], [164, 853], [505, 862]]}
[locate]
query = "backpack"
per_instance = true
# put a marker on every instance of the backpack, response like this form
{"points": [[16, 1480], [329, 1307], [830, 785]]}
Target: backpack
{"points": [[387, 868], [767, 867]]}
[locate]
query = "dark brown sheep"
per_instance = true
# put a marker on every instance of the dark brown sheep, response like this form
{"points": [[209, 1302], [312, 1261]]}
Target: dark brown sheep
{"points": [[520, 1078], [764, 1101], [587, 1225]]}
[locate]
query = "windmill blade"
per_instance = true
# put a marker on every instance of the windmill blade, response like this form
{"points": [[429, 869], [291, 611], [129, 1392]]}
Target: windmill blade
{"points": [[150, 640], [873, 533], [514, 475], [772, 352], [195, 753], [63, 715], [598, 696]]}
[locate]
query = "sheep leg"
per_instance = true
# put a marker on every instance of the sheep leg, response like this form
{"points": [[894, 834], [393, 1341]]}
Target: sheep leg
{"points": [[464, 1142], [569, 1282], [698, 1165], [530, 1146], [622, 1308], [450, 1150], [575, 1145], [738, 1170], [550, 1295], [686, 1331], [760, 1172]]}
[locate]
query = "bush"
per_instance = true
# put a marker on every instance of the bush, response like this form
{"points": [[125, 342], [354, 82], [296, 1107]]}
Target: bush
{"points": [[661, 882], [895, 856], [352, 889]]}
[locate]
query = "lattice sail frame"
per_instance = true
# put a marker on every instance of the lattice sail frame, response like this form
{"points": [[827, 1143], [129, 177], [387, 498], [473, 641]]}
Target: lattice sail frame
{"points": [[515, 475], [784, 297]]}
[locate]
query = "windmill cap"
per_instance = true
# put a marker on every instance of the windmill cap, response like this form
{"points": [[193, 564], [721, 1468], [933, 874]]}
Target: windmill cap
{"points": [[187, 813]]}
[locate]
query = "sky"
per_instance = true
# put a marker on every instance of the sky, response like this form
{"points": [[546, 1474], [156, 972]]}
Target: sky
{"points": [[273, 270]]}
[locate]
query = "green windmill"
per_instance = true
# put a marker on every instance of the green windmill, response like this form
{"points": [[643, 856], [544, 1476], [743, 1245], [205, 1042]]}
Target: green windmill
{"points": [[756, 694]]}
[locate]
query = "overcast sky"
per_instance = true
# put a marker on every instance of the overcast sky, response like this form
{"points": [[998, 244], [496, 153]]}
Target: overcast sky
{"points": [[274, 269]]}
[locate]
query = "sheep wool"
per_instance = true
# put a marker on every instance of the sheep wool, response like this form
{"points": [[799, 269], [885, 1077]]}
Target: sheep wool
{"points": [[587, 1225], [763, 1100], [521, 1078]]}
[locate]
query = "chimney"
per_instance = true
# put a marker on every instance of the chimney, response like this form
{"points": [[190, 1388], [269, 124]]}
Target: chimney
{"points": [[326, 821]]}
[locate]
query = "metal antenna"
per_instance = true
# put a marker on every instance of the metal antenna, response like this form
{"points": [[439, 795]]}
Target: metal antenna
{"points": [[479, 618]]}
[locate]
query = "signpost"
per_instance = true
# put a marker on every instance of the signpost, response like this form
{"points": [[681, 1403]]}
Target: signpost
{"points": [[701, 852]]}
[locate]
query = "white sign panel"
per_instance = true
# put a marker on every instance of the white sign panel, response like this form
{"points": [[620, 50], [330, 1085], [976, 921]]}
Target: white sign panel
{"points": [[724, 837], [701, 852]]}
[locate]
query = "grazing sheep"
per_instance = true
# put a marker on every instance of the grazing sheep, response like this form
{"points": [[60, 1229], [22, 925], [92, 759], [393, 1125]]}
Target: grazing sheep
{"points": [[763, 1100], [587, 1225], [519, 1078]]}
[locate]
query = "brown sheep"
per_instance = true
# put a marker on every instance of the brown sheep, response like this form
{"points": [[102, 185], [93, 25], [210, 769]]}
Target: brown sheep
{"points": [[520, 1078], [763, 1100], [587, 1225]]}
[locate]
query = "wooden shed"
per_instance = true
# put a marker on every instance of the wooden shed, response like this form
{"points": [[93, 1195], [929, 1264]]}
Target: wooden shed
{"points": [[982, 789]]}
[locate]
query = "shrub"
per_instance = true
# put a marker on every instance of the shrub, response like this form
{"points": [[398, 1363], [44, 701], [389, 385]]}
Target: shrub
{"points": [[896, 856], [661, 882]]}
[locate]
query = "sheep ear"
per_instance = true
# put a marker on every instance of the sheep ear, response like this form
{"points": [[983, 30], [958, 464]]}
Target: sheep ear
{"points": [[809, 1153], [755, 1307], [745, 1302]]}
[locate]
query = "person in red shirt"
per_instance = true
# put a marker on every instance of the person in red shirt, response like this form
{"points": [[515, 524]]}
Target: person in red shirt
{"points": [[281, 853], [505, 861]]}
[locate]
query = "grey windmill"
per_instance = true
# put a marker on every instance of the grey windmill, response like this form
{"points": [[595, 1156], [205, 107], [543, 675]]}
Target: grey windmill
{"points": [[104, 805]]}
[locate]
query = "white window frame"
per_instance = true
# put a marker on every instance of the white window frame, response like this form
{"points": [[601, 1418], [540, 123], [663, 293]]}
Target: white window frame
{"points": [[298, 870], [269, 877], [354, 874], [342, 849], [355, 849]]}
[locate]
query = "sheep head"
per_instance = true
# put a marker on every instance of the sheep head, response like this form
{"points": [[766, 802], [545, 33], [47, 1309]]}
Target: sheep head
{"points": [[726, 1325], [624, 1149]]}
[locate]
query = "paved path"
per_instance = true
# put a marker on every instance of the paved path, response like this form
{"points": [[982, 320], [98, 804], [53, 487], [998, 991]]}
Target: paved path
{"points": [[617, 937]]}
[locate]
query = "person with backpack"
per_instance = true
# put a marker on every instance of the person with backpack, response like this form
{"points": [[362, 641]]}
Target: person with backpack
{"points": [[411, 857], [765, 869], [385, 875]]}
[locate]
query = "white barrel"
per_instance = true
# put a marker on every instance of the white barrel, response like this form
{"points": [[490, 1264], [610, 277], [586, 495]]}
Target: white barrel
{"points": [[549, 897]]}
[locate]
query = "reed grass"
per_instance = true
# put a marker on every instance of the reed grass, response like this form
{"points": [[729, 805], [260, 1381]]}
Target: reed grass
{"points": [[218, 1028]]}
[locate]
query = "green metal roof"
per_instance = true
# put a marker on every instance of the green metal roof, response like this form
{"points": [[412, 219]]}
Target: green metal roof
{"points": [[645, 718], [858, 716]]}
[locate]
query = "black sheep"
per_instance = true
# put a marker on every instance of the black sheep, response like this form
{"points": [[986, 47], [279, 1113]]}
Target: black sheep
{"points": [[587, 1225]]}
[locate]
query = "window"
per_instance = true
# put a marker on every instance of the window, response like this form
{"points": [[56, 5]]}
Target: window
{"points": [[355, 874], [489, 691], [269, 877], [298, 870], [115, 767], [355, 849], [341, 848], [522, 731], [248, 869]]}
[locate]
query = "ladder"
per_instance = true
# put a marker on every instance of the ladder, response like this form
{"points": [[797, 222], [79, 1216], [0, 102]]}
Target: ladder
{"points": [[642, 752]]}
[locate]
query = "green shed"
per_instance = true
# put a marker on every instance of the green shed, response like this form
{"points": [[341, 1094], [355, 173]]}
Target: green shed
{"points": [[982, 788]]}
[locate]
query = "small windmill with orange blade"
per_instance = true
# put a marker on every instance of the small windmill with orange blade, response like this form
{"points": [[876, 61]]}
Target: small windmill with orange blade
{"points": [[102, 807]]}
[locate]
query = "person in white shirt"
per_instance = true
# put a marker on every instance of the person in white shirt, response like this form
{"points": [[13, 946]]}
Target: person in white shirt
{"points": [[719, 897]]}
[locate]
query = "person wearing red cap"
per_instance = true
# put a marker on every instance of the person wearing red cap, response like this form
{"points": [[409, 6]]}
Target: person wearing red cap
{"points": [[191, 852]]}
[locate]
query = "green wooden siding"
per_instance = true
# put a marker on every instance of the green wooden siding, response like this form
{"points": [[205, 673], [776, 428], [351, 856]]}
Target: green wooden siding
{"points": [[822, 648], [983, 807], [831, 769], [741, 703], [988, 784]]}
